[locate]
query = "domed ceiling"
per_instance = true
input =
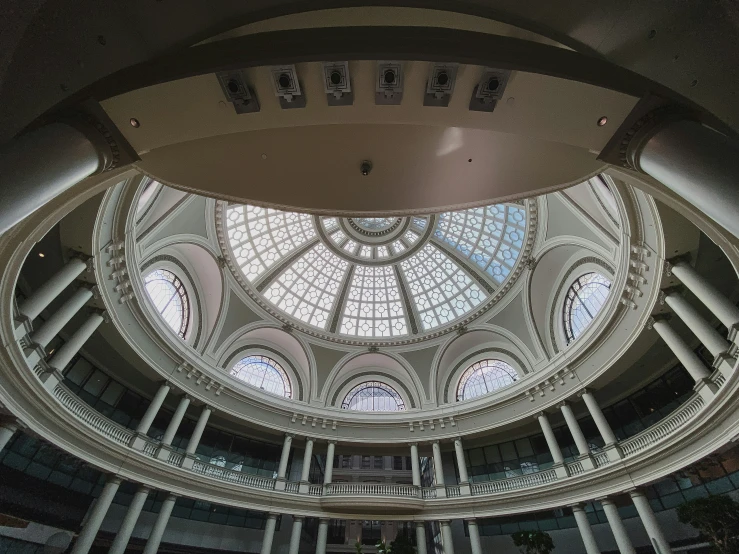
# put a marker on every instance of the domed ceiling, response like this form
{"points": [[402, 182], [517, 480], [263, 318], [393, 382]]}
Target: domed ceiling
{"points": [[387, 279]]}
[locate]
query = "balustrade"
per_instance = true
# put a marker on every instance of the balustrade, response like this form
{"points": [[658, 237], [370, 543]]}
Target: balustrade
{"points": [[371, 489], [452, 491]]}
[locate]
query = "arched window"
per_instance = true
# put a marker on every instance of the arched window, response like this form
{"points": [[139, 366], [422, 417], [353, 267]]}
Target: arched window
{"points": [[483, 377], [584, 300], [373, 396], [169, 297], [263, 373]]}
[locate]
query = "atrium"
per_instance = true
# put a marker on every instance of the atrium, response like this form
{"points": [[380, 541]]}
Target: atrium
{"points": [[311, 277]]}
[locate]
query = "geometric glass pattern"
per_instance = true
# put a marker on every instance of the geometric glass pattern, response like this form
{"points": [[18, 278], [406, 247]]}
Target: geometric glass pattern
{"points": [[373, 396], [260, 237], [373, 305], [399, 280], [307, 290], [263, 373], [484, 377], [169, 297], [374, 223], [584, 299], [491, 236], [440, 288]]}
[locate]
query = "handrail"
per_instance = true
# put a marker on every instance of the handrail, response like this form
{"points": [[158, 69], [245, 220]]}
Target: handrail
{"points": [[575, 468], [452, 491], [520, 482], [231, 476], [663, 428], [373, 489], [93, 418], [315, 490]]}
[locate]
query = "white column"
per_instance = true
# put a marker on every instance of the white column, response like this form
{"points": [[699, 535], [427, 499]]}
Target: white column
{"points": [[446, 537], [588, 539], [650, 522], [475, 545], [61, 317], [197, 433], [708, 336], [153, 409], [307, 455], [39, 165], [415, 465], [604, 428], [176, 420], [617, 527], [682, 351], [438, 466], [75, 343], [129, 521], [695, 161], [282, 468], [421, 537], [7, 430], [295, 535], [32, 306], [328, 471], [100, 508], [155, 538], [720, 306], [461, 463], [322, 536], [550, 438], [269, 534], [575, 431]]}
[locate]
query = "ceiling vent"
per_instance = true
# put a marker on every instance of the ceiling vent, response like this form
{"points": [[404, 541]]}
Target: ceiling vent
{"points": [[440, 85], [337, 84], [489, 90], [287, 86], [233, 84], [389, 83]]}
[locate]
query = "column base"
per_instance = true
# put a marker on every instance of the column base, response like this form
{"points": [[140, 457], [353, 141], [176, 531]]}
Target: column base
{"points": [[280, 483], [706, 389], [587, 462], [724, 364], [51, 379], [733, 337], [465, 489], [560, 470], [440, 491], [188, 461], [34, 354], [614, 452], [163, 452], [303, 487], [21, 327], [138, 441]]}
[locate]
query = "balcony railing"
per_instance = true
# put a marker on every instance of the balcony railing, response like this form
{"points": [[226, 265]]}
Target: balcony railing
{"points": [[650, 436]]}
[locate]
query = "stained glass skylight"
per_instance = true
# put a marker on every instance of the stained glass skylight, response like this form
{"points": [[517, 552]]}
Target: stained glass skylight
{"points": [[373, 306], [375, 277], [492, 237]]}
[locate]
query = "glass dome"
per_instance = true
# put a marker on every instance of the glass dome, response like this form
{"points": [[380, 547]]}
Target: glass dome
{"points": [[375, 278]]}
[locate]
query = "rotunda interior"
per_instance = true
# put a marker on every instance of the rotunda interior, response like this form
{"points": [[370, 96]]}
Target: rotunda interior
{"points": [[291, 278]]}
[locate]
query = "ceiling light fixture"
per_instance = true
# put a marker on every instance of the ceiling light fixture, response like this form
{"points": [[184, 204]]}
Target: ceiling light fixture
{"points": [[135, 123], [602, 121], [41, 255]]}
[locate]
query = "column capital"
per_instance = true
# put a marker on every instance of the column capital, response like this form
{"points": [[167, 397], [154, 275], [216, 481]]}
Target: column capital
{"points": [[298, 518], [115, 479], [208, 407], [457, 439], [604, 500], [577, 507], [310, 439], [332, 441], [289, 436], [413, 443], [541, 414], [445, 522], [635, 491], [323, 520], [562, 404], [582, 392], [12, 424], [172, 496], [273, 515], [471, 520]]}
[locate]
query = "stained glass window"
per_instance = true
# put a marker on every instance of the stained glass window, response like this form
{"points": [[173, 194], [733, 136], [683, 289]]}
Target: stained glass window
{"points": [[492, 237], [441, 290], [169, 297], [307, 290], [263, 373], [260, 237], [484, 377], [584, 300], [373, 396], [373, 306]]}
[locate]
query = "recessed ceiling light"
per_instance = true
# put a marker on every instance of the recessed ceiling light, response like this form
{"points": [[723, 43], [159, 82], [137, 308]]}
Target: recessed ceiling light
{"points": [[602, 121], [135, 123], [41, 255]]}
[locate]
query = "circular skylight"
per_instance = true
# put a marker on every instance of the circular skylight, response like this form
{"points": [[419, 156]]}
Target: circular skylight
{"points": [[375, 278]]}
